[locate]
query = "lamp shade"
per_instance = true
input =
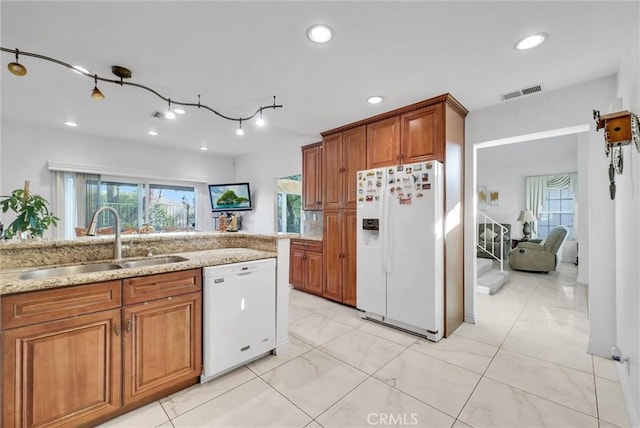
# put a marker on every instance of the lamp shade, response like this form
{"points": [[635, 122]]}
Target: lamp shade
{"points": [[526, 216]]}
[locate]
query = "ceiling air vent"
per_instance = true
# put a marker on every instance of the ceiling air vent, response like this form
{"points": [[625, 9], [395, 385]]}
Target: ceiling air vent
{"points": [[521, 92], [158, 115]]}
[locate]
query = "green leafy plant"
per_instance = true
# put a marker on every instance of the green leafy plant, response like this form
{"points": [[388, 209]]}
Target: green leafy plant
{"points": [[32, 211]]}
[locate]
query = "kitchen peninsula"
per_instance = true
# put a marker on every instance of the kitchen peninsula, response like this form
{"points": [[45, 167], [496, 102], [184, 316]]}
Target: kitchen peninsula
{"points": [[82, 348]]}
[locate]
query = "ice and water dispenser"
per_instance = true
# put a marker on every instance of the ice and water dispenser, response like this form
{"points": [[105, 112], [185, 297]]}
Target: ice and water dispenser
{"points": [[370, 232]]}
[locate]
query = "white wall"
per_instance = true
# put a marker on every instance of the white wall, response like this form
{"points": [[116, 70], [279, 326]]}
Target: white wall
{"points": [[27, 149], [261, 170], [627, 238], [545, 111]]}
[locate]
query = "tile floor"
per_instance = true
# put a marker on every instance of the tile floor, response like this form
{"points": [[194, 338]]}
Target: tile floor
{"points": [[523, 364]]}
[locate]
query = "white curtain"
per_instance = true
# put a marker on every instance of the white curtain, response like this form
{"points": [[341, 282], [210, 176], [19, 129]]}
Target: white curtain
{"points": [[537, 186]]}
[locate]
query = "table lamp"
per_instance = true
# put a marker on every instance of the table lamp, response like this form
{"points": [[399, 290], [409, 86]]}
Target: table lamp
{"points": [[527, 217]]}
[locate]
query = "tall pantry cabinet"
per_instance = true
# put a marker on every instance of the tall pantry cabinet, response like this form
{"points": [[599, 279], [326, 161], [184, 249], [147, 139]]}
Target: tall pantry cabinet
{"points": [[432, 129]]}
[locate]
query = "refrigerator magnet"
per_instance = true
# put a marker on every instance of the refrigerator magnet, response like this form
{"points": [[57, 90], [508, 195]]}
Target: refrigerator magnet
{"points": [[418, 186], [425, 177], [392, 190], [379, 183], [361, 191], [419, 195], [369, 198], [360, 199], [417, 167], [370, 173], [408, 170], [415, 177], [377, 198], [360, 176], [391, 181], [390, 171], [379, 174], [426, 186], [429, 164], [400, 168], [405, 201]]}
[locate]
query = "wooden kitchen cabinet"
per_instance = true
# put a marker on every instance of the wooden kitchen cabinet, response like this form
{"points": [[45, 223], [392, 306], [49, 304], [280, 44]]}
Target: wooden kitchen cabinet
{"points": [[162, 322], [305, 265], [312, 177], [62, 365], [340, 256], [383, 143], [63, 348], [344, 154], [415, 136]]}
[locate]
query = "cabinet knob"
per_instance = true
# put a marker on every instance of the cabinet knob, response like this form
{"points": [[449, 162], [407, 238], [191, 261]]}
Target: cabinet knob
{"points": [[116, 329]]}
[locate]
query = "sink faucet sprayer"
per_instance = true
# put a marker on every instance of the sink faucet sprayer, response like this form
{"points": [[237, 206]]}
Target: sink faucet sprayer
{"points": [[93, 225]]}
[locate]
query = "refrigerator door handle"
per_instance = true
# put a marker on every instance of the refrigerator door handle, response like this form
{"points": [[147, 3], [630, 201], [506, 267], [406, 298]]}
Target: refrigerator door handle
{"points": [[384, 230]]}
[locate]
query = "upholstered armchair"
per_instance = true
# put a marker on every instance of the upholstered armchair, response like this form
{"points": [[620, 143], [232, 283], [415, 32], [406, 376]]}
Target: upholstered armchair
{"points": [[489, 238], [539, 257]]}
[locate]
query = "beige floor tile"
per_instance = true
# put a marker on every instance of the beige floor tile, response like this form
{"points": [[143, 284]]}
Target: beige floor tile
{"points": [[263, 365], [187, 399], [345, 315], [441, 385], [317, 329], [363, 350], [542, 319], [459, 424], [374, 403], [611, 405], [310, 302], [313, 424], [149, 416], [563, 385], [485, 331], [314, 381], [606, 368], [566, 349], [389, 333], [253, 404], [460, 351], [494, 404], [297, 313]]}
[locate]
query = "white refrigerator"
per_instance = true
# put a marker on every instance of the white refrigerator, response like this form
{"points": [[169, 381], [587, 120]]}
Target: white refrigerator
{"points": [[400, 247]]}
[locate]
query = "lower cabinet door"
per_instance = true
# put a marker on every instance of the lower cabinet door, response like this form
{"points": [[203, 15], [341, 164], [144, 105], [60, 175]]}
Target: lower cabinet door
{"points": [[62, 373], [162, 345]]}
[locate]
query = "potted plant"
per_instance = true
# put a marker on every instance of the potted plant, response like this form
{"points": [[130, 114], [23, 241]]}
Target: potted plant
{"points": [[33, 217]]}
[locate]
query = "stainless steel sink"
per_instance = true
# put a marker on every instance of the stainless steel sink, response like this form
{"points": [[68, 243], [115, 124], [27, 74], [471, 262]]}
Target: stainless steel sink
{"points": [[97, 267], [153, 261], [68, 270]]}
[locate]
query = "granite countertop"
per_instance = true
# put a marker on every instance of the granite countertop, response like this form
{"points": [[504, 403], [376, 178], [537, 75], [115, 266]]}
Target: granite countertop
{"points": [[310, 238], [9, 282]]}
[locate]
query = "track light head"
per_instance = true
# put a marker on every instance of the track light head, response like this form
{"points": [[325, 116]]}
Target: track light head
{"points": [[96, 94], [16, 68]]}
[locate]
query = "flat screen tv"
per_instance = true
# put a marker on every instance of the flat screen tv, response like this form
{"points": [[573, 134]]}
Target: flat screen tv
{"points": [[230, 197]]}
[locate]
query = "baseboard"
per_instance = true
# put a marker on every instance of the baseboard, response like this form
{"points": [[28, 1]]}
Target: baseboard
{"points": [[599, 349], [282, 346], [632, 410], [470, 318]]}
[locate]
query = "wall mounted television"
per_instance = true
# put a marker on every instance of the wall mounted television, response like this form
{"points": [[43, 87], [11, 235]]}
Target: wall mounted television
{"points": [[230, 197]]}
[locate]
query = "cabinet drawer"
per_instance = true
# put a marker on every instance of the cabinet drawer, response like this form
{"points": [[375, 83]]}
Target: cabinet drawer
{"points": [[307, 244], [158, 286], [47, 305]]}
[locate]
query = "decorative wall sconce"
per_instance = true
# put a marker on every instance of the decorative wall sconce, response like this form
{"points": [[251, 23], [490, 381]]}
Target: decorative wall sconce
{"points": [[122, 73], [620, 129]]}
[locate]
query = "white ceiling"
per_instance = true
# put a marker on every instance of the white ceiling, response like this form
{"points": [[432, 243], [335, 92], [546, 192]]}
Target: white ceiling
{"points": [[533, 152], [237, 55]]}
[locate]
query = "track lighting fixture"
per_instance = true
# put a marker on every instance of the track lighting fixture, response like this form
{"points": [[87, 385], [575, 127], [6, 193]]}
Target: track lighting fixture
{"points": [[170, 114], [260, 121], [17, 68], [123, 73], [96, 94]]}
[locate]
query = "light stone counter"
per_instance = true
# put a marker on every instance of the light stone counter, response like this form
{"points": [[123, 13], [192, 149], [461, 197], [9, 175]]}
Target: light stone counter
{"points": [[9, 282]]}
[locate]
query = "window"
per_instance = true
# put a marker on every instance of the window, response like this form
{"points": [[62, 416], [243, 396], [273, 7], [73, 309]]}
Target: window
{"points": [[165, 207], [557, 210], [289, 204]]}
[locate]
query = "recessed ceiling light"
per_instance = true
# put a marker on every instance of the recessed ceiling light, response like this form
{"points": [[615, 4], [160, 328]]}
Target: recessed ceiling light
{"points": [[320, 33], [154, 133], [204, 148], [531, 41], [375, 99], [70, 124], [169, 115], [179, 110]]}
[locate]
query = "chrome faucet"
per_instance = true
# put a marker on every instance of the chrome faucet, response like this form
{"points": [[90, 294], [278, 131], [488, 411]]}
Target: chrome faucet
{"points": [[93, 225]]}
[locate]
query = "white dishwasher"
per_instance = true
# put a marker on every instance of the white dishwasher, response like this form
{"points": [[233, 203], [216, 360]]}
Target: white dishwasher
{"points": [[239, 314]]}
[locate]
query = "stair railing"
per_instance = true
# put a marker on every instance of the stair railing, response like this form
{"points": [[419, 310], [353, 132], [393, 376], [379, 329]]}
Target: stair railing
{"points": [[490, 245]]}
